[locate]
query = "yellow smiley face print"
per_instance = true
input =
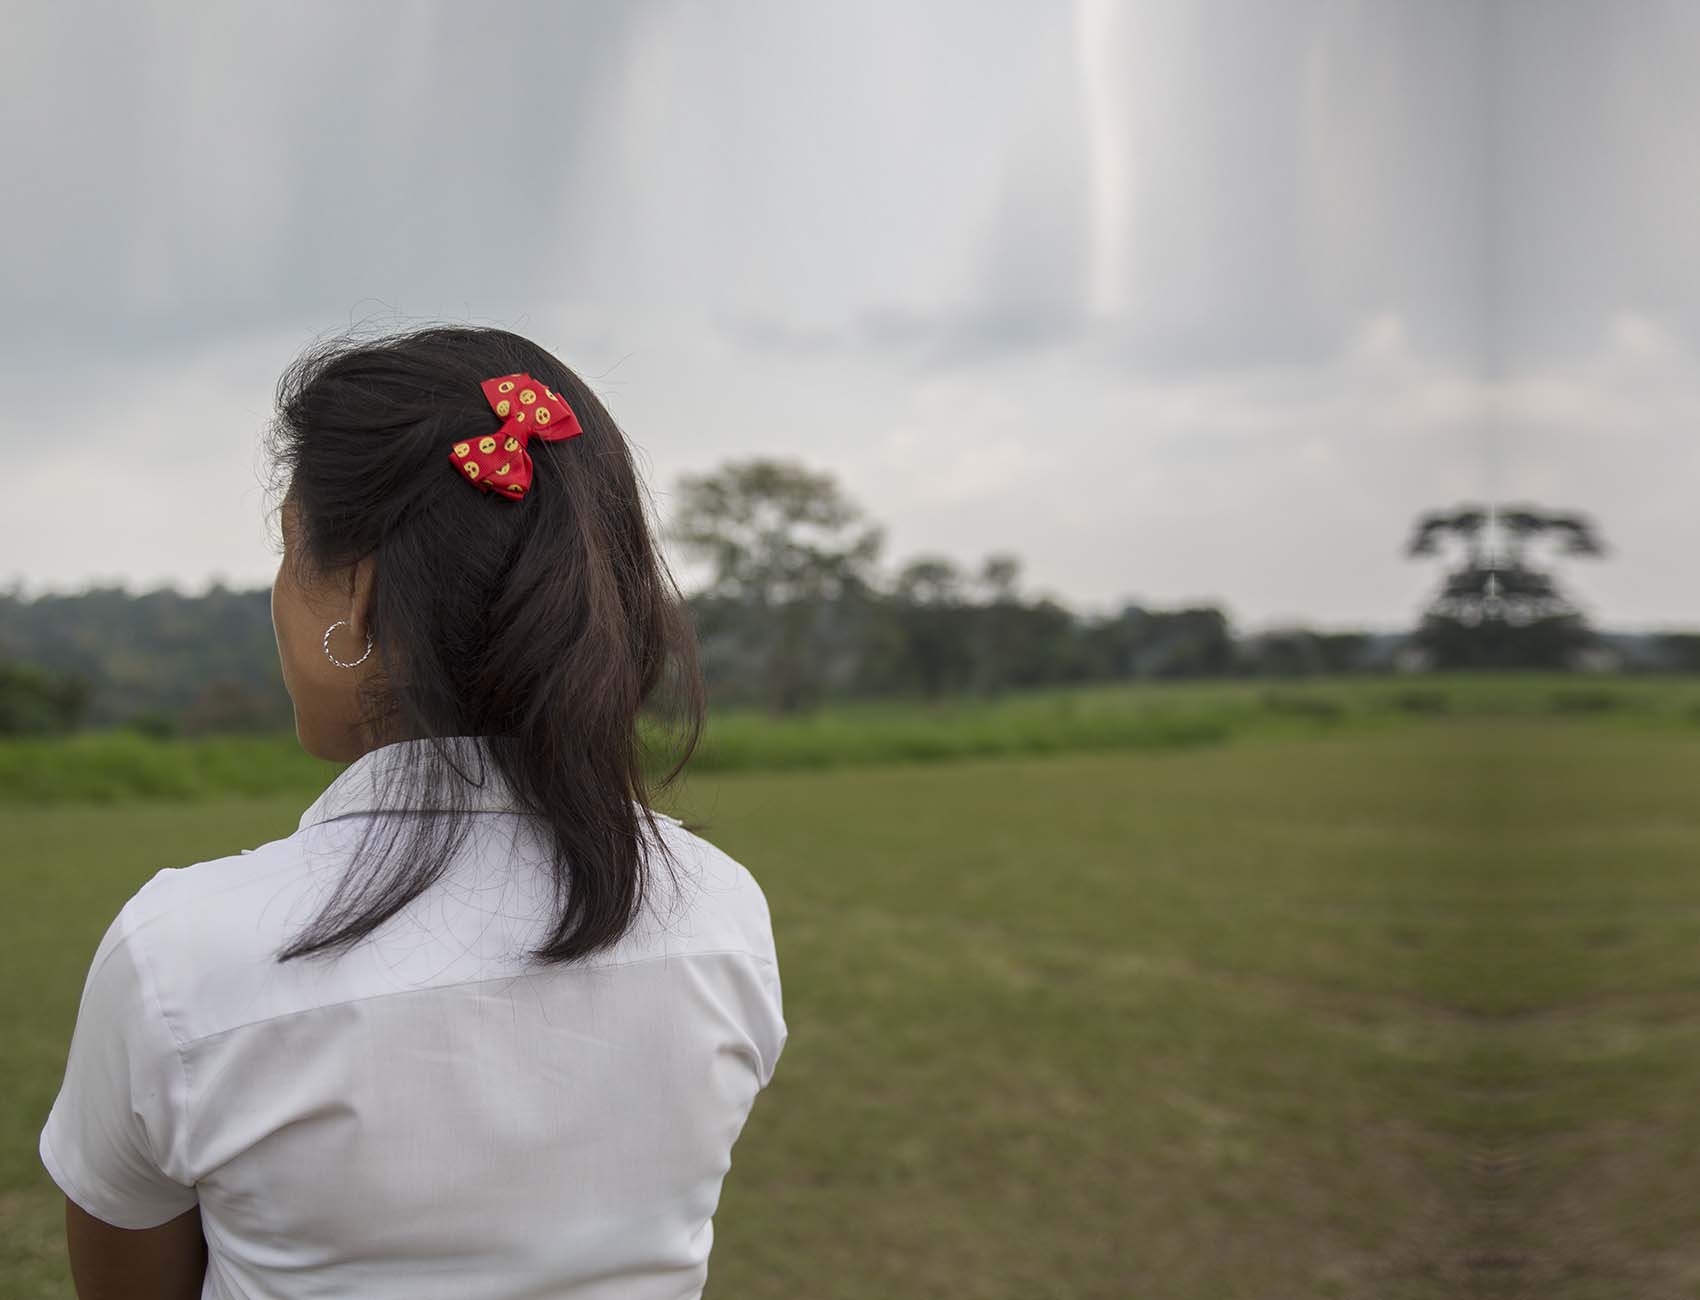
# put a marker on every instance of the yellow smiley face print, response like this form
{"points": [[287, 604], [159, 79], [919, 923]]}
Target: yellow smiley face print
{"points": [[463, 449], [543, 415], [504, 406], [486, 445], [471, 468], [506, 466], [506, 386], [516, 487], [527, 397], [512, 444]]}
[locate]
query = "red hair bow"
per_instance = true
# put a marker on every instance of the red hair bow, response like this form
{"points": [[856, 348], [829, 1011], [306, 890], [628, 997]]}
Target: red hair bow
{"points": [[498, 462]]}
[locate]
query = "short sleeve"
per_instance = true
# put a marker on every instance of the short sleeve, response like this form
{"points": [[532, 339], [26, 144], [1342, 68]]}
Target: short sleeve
{"points": [[118, 1120], [775, 1032]]}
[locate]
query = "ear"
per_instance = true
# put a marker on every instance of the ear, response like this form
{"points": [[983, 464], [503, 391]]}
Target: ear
{"points": [[362, 578]]}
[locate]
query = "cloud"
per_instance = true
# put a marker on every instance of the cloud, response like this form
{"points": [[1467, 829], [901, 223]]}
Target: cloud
{"points": [[921, 341], [1180, 300], [1285, 491], [1288, 491], [947, 182], [154, 478], [1614, 433]]}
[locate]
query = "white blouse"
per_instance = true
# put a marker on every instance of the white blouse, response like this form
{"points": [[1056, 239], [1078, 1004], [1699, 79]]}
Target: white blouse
{"points": [[427, 1117]]}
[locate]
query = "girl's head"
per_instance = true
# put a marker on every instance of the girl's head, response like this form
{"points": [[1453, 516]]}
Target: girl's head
{"points": [[544, 624]]}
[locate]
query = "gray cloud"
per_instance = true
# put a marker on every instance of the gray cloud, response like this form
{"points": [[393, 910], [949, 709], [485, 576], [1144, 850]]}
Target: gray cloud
{"points": [[1595, 171], [1196, 248]]}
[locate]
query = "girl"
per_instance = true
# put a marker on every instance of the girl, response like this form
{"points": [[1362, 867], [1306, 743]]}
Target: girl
{"points": [[486, 1025]]}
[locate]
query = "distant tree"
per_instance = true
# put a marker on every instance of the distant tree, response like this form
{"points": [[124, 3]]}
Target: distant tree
{"points": [[1679, 651], [1496, 607], [226, 706], [35, 702], [1191, 642], [157, 725], [1042, 644], [1301, 652], [999, 622], [998, 577], [1287, 652], [1342, 652], [937, 624], [150, 653], [1116, 643], [784, 544]]}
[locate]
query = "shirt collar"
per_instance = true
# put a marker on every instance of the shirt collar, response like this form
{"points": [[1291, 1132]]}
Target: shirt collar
{"points": [[362, 785]]}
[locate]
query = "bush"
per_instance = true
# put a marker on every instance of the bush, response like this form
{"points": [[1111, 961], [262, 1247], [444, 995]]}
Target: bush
{"points": [[1422, 701], [158, 726], [1300, 704], [38, 703], [1584, 701]]}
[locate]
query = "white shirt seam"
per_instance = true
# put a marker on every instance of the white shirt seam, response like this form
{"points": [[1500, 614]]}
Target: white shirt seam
{"points": [[489, 979], [150, 988]]}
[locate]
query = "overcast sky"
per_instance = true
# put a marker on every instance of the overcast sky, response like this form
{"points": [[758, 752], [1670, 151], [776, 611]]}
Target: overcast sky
{"points": [[1177, 301]]}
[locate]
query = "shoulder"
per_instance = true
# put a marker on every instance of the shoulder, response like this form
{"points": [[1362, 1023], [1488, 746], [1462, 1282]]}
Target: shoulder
{"points": [[209, 931], [716, 893], [203, 894]]}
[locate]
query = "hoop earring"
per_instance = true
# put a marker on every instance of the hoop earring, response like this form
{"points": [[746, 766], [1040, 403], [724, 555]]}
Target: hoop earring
{"points": [[343, 622]]}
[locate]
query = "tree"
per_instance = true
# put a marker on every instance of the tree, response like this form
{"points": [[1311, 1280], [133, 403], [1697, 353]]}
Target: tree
{"points": [[998, 577], [998, 621], [936, 624], [1496, 607], [151, 653], [34, 702], [783, 544], [228, 706]]}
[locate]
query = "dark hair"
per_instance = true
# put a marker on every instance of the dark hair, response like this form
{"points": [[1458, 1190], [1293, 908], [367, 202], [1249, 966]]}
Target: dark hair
{"points": [[542, 625]]}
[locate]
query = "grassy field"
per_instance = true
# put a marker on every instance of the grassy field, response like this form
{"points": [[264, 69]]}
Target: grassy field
{"points": [[1386, 1012], [121, 766]]}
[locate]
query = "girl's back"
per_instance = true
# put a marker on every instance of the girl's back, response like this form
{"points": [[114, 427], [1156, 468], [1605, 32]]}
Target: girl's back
{"points": [[485, 1025], [430, 1115]]}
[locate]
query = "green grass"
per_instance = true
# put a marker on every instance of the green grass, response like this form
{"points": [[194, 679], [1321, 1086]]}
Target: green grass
{"points": [[1381, 1012], [124, 766], [108, 766]]}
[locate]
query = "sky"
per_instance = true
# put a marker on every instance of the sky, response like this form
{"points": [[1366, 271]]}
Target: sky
{"points": [[1191, 302]]}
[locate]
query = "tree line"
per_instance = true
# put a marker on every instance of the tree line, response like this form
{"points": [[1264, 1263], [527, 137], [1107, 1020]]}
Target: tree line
{"points": [[798, 607]]}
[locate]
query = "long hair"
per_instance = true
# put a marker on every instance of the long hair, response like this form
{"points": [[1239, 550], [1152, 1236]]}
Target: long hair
{"points": [[541, 626]]}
